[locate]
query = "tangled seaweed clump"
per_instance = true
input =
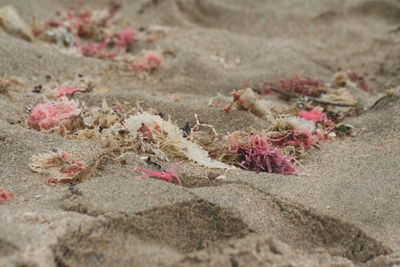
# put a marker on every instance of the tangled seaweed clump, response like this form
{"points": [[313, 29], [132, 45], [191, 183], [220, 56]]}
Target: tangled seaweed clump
{"points": [[102, 34], [253, 152], [169, 175], [51, 114], [296, 85], [275, 150], [58, 167]]}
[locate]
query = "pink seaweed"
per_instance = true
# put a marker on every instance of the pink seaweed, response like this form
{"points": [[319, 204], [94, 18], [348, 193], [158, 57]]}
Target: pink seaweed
{"points": [[254, 153], [125, 37], [167, 175], [313, 115], [296, 138], [359, 80], [296, 85], [5, 195], [150, 61], [53, 113]]}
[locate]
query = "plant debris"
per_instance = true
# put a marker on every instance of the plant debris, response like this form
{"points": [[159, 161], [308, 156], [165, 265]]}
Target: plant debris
{"points": [[148, 62], [102, 34], [297, 85], [168, 175], [4, 86], [54, 114], [58, 167], [247, 99], [295, 138], [5, 195], [253, 152], [164, 139], [350, 79], [314, 114]]}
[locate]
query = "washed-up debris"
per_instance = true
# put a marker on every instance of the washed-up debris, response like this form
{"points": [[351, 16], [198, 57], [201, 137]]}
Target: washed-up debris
{"points": [[350, 79], [297, 85], [13, 24], [288, 122], [247, 99], [359, 80], [37, 89], [165, 140], [148, 62], [314, 114], [66, 91], [295, 138], [4, 86], [54, 114], [175, 97], [58, 167], [102, 34], [219, 101], [344, 129], [5, 195], [254, 152], [169, 175]]}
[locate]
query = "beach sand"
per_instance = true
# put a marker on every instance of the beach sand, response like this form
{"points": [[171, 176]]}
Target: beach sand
{"points": [[344, 209]]}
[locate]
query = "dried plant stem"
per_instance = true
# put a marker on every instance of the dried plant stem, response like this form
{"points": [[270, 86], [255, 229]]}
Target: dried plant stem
{"points": [[317, 100]]}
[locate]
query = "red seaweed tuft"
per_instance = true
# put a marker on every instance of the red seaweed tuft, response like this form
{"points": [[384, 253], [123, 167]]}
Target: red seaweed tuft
{"points": [[359, 80], [313, 115], [256, 154], [168, 175], [297, 85], [53, 113], [296, 138], [5, 195], [125, 37], [149, 62]]}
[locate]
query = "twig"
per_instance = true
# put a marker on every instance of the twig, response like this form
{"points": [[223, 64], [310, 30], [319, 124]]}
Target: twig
{"points": [[313, 99], [198, 124]]}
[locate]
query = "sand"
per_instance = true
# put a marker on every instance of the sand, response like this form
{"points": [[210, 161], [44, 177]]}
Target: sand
{"points": [[343, 210]]}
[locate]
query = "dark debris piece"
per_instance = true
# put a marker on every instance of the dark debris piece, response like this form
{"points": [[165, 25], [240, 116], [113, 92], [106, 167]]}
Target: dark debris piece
{"points": [[150, 162], [37, 89], [186, 129]]}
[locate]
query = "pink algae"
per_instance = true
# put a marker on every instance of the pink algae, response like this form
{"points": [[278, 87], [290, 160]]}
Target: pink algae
{"points": [[297, 85], [256, 154], [313, 115], [150, 61], [97, 50], [53, 113], [5, 195], [296, 138], [125, 37], [169, 175], [359, 80]]}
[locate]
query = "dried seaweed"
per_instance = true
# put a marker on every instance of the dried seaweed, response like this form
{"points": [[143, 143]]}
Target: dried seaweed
{"points": [[102, 34], [297, 85], [253, 152], [54, 114], [163, 137], [59, 167], [5, 195], [247, 99], [169, 175]]}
